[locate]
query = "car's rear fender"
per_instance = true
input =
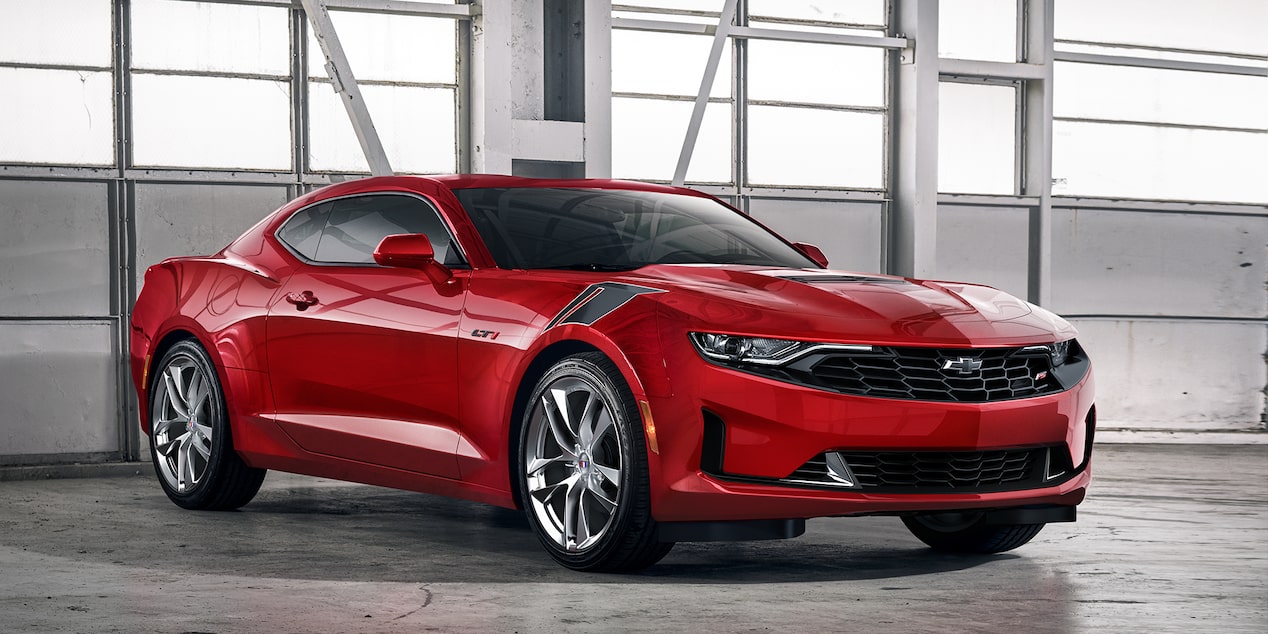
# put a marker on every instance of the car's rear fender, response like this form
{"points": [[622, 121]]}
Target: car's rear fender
{"points": [[204, 299]]}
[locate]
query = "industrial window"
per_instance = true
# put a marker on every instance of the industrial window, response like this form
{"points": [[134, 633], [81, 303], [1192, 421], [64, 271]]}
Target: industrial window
{"points": [[55, 63], [210, 86], [1190, 132], [978, 29], [781, 112], [977, 138], [407, 70]]}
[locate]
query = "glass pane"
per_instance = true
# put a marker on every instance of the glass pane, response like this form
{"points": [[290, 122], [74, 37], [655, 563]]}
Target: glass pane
{"points": [[210, 37], [647, 137], [56, 32], [816, 73], [1165, 96], [976, 138], [815, 148], [666, 63], [1140, 161], [57, 116], [392, 47], [1229, 26], [978, 29], [210, 122], [416, 126], [851, 12]]}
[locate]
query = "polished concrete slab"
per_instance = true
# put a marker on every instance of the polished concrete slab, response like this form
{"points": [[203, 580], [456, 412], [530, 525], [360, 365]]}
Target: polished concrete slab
{"points": [[1172, 538]]}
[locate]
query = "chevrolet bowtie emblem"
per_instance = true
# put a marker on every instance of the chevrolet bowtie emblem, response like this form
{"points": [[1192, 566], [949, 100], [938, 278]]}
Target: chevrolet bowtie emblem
{"points": [[963, 365]]}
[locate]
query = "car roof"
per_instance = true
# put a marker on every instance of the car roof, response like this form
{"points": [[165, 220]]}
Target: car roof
{"points": [[473, 181]]}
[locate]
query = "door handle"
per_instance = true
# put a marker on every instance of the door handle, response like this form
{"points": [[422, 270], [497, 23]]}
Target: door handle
{"points": [[302, 300]]}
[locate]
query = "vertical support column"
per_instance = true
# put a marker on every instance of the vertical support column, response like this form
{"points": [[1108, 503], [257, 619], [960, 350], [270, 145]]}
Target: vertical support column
{"points": [[725, 21], [913, 214], [541, 88], [122, 218], [345, 84], [491, 83], [598, 88], [1037, 141], [299, 97]]}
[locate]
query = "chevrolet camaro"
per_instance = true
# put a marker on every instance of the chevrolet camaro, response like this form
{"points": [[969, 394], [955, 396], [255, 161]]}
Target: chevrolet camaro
{"points": [[631, 364]]}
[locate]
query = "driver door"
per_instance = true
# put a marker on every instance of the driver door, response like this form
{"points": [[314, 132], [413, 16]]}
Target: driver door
{"points": [[363, 358]]}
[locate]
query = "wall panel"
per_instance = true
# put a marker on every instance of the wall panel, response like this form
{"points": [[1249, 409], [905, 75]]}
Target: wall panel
{"points": [[984, 245], [849, 233], [1181, 375], [1141, 263], [59, 393], [54, 249], [196, 219]]}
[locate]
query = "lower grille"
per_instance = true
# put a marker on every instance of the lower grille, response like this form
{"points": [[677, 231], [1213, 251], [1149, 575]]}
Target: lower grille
{"points": [[934, 471]]}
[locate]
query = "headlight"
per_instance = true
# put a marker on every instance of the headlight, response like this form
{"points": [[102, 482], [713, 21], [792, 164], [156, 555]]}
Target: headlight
{"points": [[1059, 353], [739, 349]]}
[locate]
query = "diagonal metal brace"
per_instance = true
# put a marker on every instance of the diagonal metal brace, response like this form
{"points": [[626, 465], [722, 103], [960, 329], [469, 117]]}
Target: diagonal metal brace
{"points": [[345, 85], [706, 85]]}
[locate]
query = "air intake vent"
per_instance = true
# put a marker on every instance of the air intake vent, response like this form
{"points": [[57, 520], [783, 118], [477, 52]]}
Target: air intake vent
{"points": [[930, 471]]}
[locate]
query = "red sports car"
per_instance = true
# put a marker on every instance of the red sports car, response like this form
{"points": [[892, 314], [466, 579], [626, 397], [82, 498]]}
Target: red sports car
{"points": [[632, 364]]}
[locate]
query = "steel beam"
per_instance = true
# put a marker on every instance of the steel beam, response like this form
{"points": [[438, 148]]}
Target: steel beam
{"points": [[913, 176], [1164, 64], [1036, 155], [345, 85], [706, 85]]}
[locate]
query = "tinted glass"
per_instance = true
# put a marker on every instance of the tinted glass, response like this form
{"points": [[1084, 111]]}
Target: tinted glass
{"points": [[593, 229], [346, 231], [303, 231]]}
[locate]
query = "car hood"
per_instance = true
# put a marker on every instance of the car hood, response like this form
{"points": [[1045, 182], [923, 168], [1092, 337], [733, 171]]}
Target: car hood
{"points": [[841, 306]]}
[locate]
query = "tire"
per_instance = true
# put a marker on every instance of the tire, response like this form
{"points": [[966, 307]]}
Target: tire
{"points": [[583, 469], [968, 532], [191, 443]]}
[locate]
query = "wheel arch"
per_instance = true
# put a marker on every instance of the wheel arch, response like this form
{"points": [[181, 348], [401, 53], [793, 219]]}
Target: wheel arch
{"points": [[173, 335]]}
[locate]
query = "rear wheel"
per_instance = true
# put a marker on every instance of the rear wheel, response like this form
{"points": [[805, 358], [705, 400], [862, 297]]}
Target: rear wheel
{"points": [[968, 532], [190, 440], [583, 469]]}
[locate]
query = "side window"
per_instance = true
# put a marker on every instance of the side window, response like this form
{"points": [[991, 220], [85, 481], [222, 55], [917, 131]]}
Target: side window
{"points": [[303, 231], [349, 229]]}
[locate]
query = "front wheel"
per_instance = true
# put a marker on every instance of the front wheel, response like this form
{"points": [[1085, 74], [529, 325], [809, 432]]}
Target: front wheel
{"points": [[190, 440], [583, 469], [968, 532]]}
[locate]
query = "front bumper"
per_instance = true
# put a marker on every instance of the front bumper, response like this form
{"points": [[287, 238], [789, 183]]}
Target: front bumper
{"points": [[772, 428]]}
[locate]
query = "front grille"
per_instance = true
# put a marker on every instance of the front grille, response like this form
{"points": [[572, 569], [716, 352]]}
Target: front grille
{"points": [[933, 471], [931, 374]]}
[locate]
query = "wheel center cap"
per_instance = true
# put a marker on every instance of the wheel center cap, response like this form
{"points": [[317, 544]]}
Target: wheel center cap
{"points": [[583, 463]]}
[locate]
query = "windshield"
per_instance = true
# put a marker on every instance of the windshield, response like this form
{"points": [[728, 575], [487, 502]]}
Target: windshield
{"points": [[606, 229]]}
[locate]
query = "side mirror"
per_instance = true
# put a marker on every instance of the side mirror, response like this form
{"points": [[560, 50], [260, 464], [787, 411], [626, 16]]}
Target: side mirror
{"points": [[412, 251], [813, 252]]}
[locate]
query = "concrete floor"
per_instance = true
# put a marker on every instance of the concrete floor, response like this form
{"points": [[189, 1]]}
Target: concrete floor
{"points": [[1172, 538]]}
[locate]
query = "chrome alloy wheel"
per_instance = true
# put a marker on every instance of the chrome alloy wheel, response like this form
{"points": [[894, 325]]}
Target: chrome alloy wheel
{"points": [[183, 423], [572, 462]]}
